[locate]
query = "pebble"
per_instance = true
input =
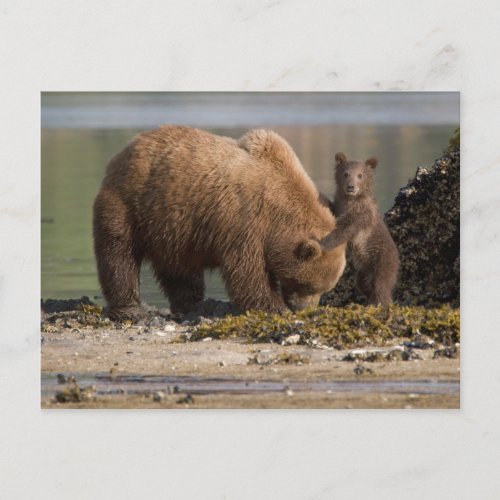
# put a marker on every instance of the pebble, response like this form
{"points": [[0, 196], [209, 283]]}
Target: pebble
{"points": [[188, 399], [263, 358], [292, 339], [159, 333], [135, 327], [420, 342], [155, 322], [207, 339], [169, 328], [359, 369], [159, 396]]}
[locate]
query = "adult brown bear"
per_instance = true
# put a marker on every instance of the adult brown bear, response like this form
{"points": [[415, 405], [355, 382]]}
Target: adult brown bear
{"points": [[186, 200]]}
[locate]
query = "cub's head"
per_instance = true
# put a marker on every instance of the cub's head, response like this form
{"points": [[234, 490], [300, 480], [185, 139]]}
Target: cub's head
{"points": [[354, 178], [305, 270]]}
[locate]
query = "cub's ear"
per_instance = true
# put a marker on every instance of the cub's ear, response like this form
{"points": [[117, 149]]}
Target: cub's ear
{"points": [[340, 159], [308, 250], [372, 162]]}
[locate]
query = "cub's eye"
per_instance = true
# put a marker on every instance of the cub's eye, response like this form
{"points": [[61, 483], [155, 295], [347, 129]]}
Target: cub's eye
{"points": [[346, 174], [360, 176]]}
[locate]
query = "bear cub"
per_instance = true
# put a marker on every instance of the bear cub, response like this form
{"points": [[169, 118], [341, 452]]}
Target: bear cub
{"points": [[370, 246]]}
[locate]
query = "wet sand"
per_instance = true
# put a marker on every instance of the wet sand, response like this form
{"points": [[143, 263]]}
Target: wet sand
{"points": [[97, 356]]}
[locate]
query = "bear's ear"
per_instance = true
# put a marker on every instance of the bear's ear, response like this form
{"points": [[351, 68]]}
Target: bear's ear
{"points": [[372, 162], [308, 250], [340, 159]]}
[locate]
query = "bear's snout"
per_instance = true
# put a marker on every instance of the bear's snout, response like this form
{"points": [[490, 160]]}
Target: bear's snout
{"points": [[351, 189], [296, 302]]}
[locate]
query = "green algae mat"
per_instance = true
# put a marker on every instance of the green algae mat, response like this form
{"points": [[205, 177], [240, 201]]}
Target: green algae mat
{"points": [[341, 328]]}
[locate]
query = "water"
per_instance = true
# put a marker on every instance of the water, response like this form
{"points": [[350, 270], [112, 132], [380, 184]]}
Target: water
{"points": [[80, 132], [144, 384]]}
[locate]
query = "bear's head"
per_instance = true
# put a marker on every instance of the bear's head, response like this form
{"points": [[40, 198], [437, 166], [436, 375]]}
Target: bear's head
{"points": [[305, 270], [354, 178]]}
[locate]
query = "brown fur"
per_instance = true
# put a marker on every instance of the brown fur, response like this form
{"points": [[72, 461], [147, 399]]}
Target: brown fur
{"points": [[370, 245], [186, 200]]}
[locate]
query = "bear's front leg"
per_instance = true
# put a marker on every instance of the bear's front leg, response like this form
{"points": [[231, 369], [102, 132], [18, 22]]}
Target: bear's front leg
{"points": [[250, 287]]}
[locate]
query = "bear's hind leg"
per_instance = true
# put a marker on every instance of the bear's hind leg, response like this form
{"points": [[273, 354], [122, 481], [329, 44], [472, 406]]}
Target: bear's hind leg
{"points": [[379, 291], [364, 283], [118, 260], [372, 285], [380, 296], [183, 291]]}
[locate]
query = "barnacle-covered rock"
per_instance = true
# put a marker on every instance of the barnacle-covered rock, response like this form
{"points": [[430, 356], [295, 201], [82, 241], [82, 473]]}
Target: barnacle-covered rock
{"points": [[60, 305], [72, 392], [425, 224]]}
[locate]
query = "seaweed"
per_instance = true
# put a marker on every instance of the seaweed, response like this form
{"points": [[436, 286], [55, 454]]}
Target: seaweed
{"points": [[348, 327]]}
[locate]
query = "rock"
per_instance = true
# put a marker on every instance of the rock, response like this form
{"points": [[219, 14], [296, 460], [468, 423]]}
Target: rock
{"points": [[58, 305], [262, 358], [292, 339], [137, 328], [159, 333], [159, 396], [398, 355], [359, 369], [73, 393], [447, 352], [155, 322], [187, 399], [377, 355], [420, 342], [205, 321], [169, 328], [191, 318], [291, 358]]}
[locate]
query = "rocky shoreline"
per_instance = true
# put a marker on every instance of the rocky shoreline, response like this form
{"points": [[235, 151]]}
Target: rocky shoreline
{"points": [[213, 344]]}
